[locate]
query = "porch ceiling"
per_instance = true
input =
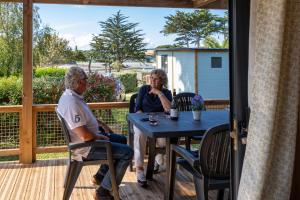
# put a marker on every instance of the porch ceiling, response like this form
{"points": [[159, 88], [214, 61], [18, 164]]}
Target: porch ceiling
{"points": [[213, 4]]}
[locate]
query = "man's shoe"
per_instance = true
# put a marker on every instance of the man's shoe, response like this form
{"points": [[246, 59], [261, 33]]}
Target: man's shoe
{"points": [[96, 180], [102, 195], [141, 179]]}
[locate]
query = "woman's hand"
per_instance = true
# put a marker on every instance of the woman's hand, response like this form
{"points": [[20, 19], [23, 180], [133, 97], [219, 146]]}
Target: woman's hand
{"points": [[163, 99], [154, 91]]}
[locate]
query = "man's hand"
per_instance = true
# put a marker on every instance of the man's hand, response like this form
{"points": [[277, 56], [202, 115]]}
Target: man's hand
{"points": [[101, 137], [105, 127], [86, 135]]}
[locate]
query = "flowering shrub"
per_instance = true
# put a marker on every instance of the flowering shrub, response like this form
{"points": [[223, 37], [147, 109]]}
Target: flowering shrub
{"points": [[197, 103], [100, 88], [48, 89]]}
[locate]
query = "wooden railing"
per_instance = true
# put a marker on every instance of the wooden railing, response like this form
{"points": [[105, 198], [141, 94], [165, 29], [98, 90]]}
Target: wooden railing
{"points": [[48, 110], [10, 110]]}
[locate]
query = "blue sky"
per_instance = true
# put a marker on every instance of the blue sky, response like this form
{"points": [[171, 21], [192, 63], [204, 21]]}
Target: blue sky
{"points": [[79, 23]]}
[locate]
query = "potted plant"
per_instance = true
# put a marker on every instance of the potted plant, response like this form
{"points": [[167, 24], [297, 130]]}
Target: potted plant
{"points": [[197, 106]]}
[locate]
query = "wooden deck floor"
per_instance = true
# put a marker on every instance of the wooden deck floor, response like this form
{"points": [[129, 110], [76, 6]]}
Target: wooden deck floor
{"points": [[43, 180]]}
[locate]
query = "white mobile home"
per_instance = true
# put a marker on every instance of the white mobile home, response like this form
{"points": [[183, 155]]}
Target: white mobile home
{"points": [[199, 70]]}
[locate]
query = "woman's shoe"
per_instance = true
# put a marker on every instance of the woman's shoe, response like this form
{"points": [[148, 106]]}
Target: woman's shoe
{"points": [[141, 179], [156, 168]]}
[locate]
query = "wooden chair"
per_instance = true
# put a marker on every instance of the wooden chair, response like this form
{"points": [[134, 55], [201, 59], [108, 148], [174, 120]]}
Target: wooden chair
{"points": [[74, 166], [210, 167]]}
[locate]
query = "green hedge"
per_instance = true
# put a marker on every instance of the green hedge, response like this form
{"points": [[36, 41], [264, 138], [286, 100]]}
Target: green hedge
{"points": [[129, 81], [48, 89], [10, 90], [49, 71]]}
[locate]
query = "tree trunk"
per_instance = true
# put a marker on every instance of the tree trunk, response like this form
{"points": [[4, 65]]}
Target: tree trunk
{"points": [[198, 43], [89, 66], [187, 42], [105, 67], [109, 68]]}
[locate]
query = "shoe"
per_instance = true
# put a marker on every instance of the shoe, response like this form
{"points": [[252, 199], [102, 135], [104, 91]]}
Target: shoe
{"points": [[103, 194], [96, 180], [141, 179], [156, 168]]}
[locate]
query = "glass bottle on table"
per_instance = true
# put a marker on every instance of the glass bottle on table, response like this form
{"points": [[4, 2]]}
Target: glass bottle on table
{"points": [[174, 93], [174, 110]]}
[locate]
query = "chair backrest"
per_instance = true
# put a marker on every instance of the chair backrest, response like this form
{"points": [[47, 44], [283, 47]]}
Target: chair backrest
{"points": [[64, 127], [214, 152], [132, 103], [184, 101]]}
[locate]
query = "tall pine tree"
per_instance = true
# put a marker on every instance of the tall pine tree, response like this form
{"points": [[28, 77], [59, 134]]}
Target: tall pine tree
{"points": [[118, 42]]}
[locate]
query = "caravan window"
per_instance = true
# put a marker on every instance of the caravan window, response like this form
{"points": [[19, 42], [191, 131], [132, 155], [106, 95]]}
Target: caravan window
{"points": [[164, 63], [216, 62]]}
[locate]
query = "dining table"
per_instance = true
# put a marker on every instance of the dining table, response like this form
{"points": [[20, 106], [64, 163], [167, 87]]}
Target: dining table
{"points": [[185, 126]]}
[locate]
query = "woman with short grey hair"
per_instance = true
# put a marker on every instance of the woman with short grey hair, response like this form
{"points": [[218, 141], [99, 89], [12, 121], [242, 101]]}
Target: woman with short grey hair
{"points": [[161, 74], [151, 98]]}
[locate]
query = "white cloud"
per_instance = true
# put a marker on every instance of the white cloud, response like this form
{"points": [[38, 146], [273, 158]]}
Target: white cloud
{"points": [[78, 25], [81, 41], [149, 42]]}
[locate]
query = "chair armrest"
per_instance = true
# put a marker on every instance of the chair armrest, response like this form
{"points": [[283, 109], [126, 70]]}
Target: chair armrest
{"points": [[190, 158], [96, 143]]}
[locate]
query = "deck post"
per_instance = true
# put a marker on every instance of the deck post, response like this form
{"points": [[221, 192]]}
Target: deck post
{"points": [[26, 139]]}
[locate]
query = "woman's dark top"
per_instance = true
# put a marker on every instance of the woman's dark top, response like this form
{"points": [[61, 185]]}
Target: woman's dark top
{"points": [[149, 102]]}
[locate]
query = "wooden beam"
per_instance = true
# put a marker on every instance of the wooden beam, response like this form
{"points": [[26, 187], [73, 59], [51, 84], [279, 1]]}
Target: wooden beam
{"points": [[220, 4], [26, 139], [196, 71], [10, 109], [137, 3], [211, 4], [173, 68], [52, 149], [102, 105], [9, 152], [34, 135], [134, 3]]}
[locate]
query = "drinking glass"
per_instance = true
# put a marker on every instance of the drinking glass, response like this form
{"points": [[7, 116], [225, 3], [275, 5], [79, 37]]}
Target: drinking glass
{"points": [[153, 119]]}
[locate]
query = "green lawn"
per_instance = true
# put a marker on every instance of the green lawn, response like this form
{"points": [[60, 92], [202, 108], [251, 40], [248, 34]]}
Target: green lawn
{"points": [[42, 156]]}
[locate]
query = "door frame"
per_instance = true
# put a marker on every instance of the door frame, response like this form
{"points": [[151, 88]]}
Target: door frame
{"points": [[239, 22]]}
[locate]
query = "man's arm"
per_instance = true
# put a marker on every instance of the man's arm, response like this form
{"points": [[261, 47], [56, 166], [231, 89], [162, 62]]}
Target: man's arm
{"points": [[86, 135], [106, 128]]}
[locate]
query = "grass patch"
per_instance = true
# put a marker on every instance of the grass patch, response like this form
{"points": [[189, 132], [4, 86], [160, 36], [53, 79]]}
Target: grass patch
{"points": [[8, 158], [49, 156], [41, 156], [128, 95]]}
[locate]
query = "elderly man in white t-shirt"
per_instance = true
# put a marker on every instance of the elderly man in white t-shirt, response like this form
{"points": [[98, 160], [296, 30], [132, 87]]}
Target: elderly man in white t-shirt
{"points": [[85, 127]]}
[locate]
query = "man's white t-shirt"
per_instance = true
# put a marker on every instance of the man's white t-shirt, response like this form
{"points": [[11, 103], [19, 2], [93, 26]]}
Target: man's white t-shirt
{"points": [[77, 113]]}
